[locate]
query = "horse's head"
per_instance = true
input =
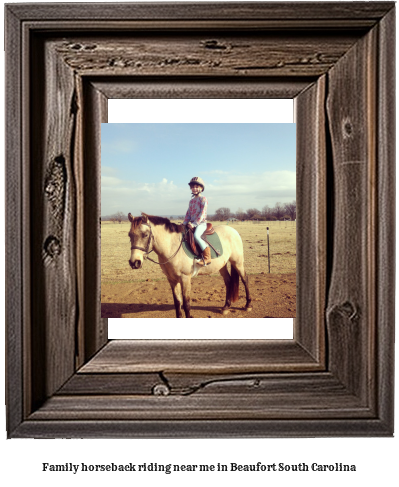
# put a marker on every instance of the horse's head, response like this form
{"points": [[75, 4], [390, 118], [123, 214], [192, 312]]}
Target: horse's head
{"points": [[140, 235]]}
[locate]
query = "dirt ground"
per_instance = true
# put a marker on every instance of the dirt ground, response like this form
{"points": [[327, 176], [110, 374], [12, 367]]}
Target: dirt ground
{"points": [[273, 296], [145, 293]]}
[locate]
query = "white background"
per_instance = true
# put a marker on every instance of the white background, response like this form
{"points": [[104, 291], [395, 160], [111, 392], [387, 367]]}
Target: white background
{"points": [[21, 460]]}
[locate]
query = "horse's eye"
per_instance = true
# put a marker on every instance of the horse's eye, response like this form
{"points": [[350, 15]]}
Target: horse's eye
{"points": [[144, 235]]}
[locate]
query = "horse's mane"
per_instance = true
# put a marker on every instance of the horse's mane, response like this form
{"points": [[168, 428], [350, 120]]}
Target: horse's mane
{"points": [[170, 226], [159, 220]]}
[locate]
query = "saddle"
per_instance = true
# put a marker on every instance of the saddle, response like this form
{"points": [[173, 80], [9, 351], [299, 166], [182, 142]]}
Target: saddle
{"points": [[189, 238]]}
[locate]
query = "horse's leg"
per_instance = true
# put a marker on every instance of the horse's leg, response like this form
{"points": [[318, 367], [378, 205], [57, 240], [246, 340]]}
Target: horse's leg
{"points": [[248, 305], [239, 267], [226, 276], [186, 288], [177, 297]]}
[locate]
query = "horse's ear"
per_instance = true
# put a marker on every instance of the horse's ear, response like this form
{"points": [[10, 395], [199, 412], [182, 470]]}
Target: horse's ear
{"points": [[130, 217], [144, 217]]}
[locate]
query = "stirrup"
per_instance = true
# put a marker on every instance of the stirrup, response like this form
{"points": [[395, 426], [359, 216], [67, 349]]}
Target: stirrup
{"points": [[201, 260]]}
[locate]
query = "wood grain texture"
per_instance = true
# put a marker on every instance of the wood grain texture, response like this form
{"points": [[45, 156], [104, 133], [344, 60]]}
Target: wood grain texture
{"points": [[95, 330], [200, 356], [385, 231], [132, 87], [204, 407], [185, 384], [335, 377], [239, 55], [250, 428], [312, 219], [359, 13], [53, 210], [15, 258], [352, 127], [269, 396]]}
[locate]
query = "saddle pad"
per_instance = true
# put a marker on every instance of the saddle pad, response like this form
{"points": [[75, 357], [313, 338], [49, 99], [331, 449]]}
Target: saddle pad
{"points": [[213, 239]]}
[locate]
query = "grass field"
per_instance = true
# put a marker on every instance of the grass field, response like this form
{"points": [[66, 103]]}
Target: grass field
{"points": [[115, 251]]}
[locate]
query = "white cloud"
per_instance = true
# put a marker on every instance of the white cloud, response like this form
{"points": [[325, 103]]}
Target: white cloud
{"points": [[107, 170], [162, 197], [107, 181], [232, 191], [252, 190]]}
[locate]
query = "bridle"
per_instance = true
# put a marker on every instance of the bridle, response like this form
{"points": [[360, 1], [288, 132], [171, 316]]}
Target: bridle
{"points": [[145, 250], [151, 236]]}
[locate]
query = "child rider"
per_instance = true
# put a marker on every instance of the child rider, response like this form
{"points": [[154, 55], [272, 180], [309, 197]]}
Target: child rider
{"points": [[196, 218]]}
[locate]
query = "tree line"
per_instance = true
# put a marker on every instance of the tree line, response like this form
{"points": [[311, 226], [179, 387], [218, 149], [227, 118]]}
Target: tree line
{"points": [[280, 211], [118, 217]]}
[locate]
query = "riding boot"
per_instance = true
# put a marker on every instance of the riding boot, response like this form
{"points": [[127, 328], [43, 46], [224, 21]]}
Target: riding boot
{"points": [[206, 257]]}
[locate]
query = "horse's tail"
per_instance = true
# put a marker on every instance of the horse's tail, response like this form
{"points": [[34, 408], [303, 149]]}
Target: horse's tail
{"points": [[235, 283]]}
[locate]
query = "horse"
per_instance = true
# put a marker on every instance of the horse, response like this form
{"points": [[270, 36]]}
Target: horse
{"points": [[153, 233]]}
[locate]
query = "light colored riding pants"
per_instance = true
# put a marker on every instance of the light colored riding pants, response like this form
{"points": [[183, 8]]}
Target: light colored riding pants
{"points": [[199, 230]]}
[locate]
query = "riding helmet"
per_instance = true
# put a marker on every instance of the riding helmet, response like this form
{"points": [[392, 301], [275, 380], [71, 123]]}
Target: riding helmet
{"points": [[199, 181]]}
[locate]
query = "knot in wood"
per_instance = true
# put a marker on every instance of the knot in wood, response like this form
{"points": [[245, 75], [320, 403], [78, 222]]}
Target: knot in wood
{"points": [[348, 309], [51, 247], [117, 63], [213, 44], [161, 390], [345, 310], [90, 47], [347, 128]]}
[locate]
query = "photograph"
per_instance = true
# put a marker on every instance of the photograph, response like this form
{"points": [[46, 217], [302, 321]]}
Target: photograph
{"points": [[198, 220]]}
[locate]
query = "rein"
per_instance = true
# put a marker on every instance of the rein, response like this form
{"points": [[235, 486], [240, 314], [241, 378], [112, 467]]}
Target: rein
{"points": [[146, 252]]}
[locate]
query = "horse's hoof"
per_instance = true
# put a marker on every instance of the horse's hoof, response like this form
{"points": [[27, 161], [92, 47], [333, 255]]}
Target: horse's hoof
{"points": [[225, 312]]}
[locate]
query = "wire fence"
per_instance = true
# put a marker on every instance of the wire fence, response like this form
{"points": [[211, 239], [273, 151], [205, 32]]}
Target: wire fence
{"points": [[266, 223]]}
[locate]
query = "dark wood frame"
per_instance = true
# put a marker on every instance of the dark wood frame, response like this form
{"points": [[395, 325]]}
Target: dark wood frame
{"points": [[64, 379]]}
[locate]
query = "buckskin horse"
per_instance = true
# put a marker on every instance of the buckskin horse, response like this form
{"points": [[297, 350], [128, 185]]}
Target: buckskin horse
{"points": [[153, 233]]}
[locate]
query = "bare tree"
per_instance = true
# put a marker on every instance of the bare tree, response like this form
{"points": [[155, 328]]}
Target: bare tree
{"points": [[240, 214], [278, 210], [119, 216], [267, 212], [252, 213], [223, 214], [290, 209]]}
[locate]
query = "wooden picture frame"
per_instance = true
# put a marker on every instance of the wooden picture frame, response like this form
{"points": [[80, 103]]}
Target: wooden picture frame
{"points": [[335, 378]]}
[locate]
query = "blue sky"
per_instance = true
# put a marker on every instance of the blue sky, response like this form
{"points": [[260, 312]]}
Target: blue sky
{"points": [[147, 166]]}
